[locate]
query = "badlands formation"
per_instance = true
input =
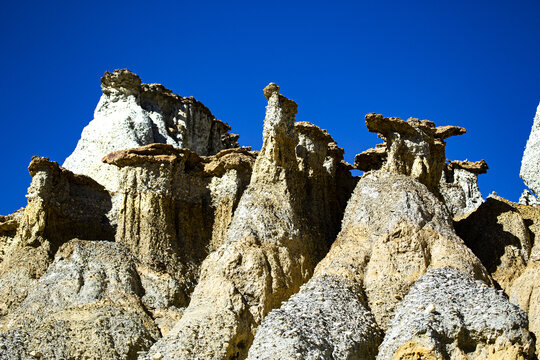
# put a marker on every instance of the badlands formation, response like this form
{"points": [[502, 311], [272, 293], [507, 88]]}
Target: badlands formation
{"points": [[161, 238]]}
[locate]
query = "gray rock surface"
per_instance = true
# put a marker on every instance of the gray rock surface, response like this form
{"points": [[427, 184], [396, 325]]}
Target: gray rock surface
{"points": [[530, 163], [131, 114], [87, 305], [326, 319], [448, 315], [459, 186]]}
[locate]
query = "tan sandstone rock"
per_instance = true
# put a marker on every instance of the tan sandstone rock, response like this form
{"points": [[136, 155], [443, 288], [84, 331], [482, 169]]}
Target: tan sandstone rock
{"points": [[496, 232], [175, 209], [85, 306], [413, 147], [277, 235], [61, 206]]}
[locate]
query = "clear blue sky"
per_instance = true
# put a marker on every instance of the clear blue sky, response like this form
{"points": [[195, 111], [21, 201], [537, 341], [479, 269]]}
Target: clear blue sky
{"points": [[468, 63]]}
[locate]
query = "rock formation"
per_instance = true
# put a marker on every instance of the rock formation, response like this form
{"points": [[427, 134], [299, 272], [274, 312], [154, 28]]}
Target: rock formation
{"points": [[447, 315], [459, 186], [277, 235], [172, 242], [414, 148], [131, 114], [86, 305], [498, 235], [174, 208], [530, 166], [527, 198], [61, 206]]}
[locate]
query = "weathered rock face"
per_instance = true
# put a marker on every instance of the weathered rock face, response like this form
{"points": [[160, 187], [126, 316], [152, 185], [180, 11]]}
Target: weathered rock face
{"points": [[131, 114], [175, 206], [525, 292], [447, 315], [459, 186], [530, 166], [87, 305], [498, 235], [8, 229], [61, 206], [327, 319], [394, 229], [273, 243], [414, 148]]}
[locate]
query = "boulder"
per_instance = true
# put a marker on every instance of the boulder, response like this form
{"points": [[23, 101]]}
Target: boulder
{"points": [[448, 315]]}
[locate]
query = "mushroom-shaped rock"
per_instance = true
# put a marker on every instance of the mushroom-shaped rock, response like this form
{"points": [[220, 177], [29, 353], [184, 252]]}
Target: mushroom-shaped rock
{"points": [[413, 147]]}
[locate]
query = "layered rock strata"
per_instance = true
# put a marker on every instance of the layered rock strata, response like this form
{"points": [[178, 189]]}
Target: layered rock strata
{"points": [[174, 209], [530, 166], [276, 237], [61, 206], [86, 306], [459, 186], [447, 315], [132, 114], [414, 148]]}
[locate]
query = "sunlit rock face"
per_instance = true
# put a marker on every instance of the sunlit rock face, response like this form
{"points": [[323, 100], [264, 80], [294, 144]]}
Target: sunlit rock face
{"points": [[169, 241], [530, 165], [132, 114]]}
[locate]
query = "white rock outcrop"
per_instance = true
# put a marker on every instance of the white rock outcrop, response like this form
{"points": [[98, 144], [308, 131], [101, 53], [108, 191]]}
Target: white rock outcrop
{"points": [[131, 114], [530, 163]]}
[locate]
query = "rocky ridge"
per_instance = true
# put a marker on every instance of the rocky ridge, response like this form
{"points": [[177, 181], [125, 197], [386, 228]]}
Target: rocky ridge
{"points": [[161, 238]]}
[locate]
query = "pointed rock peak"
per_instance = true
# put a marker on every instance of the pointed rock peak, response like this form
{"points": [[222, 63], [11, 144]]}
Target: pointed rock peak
{"points": [[121, 81], [270, 89]]}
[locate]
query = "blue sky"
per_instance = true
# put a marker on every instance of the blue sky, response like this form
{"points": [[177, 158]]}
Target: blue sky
{"points": [[468, 63]]}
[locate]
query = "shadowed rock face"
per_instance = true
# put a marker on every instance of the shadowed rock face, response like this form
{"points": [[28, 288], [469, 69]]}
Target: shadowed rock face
{"points": [[448, 315], [496, 232], [530, 166], [414, 148], [275, 239], [61, 206], [459, 186], [131, 114]]}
